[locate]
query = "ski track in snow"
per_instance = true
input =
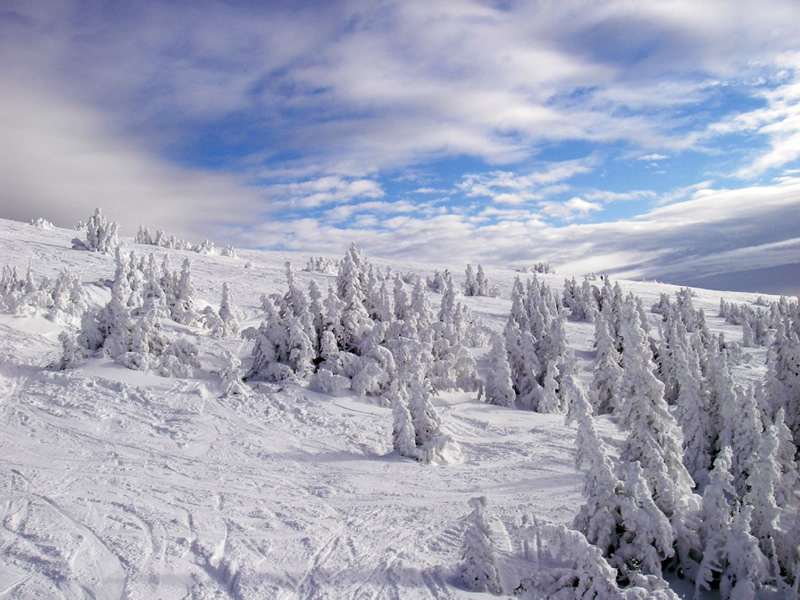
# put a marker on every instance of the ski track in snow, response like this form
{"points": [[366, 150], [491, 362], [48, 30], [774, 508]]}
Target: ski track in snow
{"points": [[119, 484]]}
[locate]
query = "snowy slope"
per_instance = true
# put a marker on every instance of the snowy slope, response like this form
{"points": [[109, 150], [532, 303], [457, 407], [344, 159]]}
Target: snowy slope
{"points": [[120, 484]]}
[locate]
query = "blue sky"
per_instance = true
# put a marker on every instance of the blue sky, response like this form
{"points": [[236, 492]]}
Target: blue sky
{"points": [[654, 140]]}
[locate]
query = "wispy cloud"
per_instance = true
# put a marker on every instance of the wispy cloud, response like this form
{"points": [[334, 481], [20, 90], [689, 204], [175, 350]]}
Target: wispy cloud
{"points": [[506, 187], [712, 238]]}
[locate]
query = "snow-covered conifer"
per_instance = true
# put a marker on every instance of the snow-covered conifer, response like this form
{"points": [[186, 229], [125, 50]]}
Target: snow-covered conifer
{"points": [[301, 350], [229, 314], [143, 235], [403, 435], [182, 307], [73, 353], [693, 415], [232, 375], [334, 308], [479, 571], [470, 285], [583, 573], [743, 434], [715, 521], [763, 479], [747, 567], [499, 388], [421, 308], [101, 235], [316, 311], [653, 435], [783, 375], [790, 475], [402, 304], [607, 370]]}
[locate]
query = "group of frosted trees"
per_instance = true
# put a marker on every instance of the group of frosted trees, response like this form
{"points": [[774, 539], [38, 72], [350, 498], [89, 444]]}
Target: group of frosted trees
{"points": [[101, 235], [758, 323], [530, 365], [477, 284], [63, 300], [143, 236], [706, 481], [368, 334], [129, 327]]}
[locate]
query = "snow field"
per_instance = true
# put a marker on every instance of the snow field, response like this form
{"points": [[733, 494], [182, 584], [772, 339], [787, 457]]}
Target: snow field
{"points": [[122, 484]]}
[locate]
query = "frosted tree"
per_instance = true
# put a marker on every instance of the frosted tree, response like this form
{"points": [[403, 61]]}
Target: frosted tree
{"points": [[403, 435], [143, 236], [549, 401], [301, 350], [72, 352], [715, 521], [763, 479], [334, 309], [427, 423], [619, 515], [499, 388], [693, 413], [742, 433], [402, 304], [229, 314], [790, 476], [355, 321], [421, 308], [296, 303], [747, 567], [607, 376], [152, 290], [653, 436], [101, 235], [648, 538], [569, 567], [232, 375], [182, 308], [654, 439], [68, 300], [471, 284], [783, 375], [479, 571]]}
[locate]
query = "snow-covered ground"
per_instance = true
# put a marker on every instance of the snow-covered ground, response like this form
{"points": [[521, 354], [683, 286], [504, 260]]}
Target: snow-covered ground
{"points": [[121, 484]]}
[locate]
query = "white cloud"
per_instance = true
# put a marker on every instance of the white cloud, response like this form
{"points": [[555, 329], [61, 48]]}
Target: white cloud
{"points": [[376, 87], [569, 210], [653, 157], [506, 187], [60, 161], [606, 196], [712, 238], [326, 190]]}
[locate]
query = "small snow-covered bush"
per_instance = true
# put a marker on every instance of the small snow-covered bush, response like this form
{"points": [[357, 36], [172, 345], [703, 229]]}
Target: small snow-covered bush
{"points": [[41, 223]]}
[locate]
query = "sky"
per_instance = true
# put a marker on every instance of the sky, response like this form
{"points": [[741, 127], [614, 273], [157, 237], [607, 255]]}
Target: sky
{"points": [[649, 140]]}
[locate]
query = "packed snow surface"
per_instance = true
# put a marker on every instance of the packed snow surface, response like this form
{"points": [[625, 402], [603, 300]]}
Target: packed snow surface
{"points": [[122, 484]]}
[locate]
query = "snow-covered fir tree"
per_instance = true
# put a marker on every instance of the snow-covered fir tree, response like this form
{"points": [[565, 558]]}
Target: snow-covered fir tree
{"points": [[607, 372], [479, 569], [229, 315], [232, 375], [101, 235], [499, 388], [568, 567]]}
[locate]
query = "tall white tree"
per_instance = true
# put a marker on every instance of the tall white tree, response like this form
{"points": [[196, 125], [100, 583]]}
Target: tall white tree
{"points": [[479, 569]]}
